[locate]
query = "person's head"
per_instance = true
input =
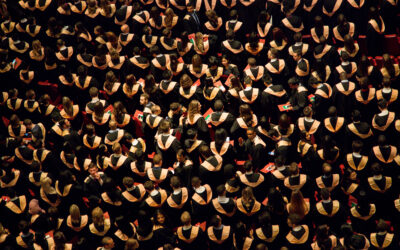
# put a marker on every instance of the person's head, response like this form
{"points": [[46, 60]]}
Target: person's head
{"points": [[382, 140], [293, 169], [128, 182], [325, 194], [386, 82], [175, 182], [247, 81], [160, 217], [251, 133], [131, 244], [215, 221], [297, 203], [157, 160], [186, 219], [190, 7], [220, 136], [344, 56], [326, 169], [297, 37], [196, 182], [248, 195], [116, 148], [293, 220], [332, 112], [252, 62], [382, 226], [98, 110], [218, 106], [112, 125], [230, 34], [296, 56], [248, 166], [376, 169], [92, 169], [307, 111], [193, 109], [357, 146], [323, 237], [221, 190], [273, 53], [149, 84], [108, 242], [356, 115], [144, 99], [155, 110], [98, 216], [382, 104], [59, 240], [149, 186], [93, 92], [293, 82], [185, 81], [197, 63]]}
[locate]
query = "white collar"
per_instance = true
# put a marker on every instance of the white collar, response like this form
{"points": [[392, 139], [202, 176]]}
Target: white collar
{"points": [[187, 227], [384, 112], [248, 88], [298, 44], [345, 63], [94, 100], [296, 229], [154, 192], [358, 155], [377, 177], [177, 191], [200, 189], [274, 59], [223, 199], [386, 90], [308, 119]]}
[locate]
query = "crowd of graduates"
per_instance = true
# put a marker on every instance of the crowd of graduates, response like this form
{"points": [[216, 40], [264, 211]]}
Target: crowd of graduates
{"points": [[204, 124]]}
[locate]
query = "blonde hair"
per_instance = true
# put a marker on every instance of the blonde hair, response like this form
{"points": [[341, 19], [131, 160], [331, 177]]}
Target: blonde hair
{"points": [[193, 109], [68, 106], [185, 218], [114, 54], [46, 186], [247, 196], [169, 16], [75, 213], [199, 41], [98, 216], [116, 147]]}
